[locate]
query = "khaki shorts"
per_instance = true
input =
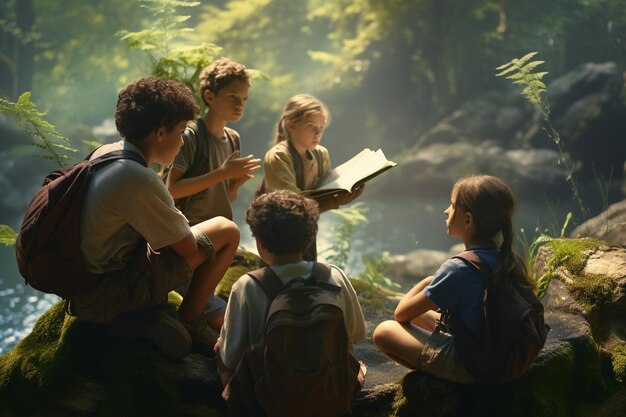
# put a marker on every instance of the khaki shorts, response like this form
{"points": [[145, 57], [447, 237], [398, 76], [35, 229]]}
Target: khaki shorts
{"points": [[439, 358], [145, 283]]}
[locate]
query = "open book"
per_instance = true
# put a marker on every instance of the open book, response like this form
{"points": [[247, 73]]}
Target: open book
{"points": [[364, 166]]}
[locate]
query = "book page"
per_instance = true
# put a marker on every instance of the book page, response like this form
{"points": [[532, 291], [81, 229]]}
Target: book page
{"points": [[363, 166]]}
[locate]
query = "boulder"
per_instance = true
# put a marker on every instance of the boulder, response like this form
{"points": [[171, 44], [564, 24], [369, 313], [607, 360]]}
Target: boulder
{"points": [[610, 225], [433, 169], [502, 134]]}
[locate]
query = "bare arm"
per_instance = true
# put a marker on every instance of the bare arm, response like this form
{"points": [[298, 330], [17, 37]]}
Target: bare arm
{"points": [[414, 303], [232, 167]]}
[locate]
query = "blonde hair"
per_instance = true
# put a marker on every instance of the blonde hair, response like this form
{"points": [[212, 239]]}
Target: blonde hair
{"points": [[300, 107]]}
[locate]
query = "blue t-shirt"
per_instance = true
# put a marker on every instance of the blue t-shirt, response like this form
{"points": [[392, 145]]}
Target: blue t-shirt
{"points": [[457, 285]]}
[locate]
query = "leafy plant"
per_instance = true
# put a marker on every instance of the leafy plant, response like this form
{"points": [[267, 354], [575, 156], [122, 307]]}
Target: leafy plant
{"points": [[7, 235], [522, 71], [54, 144], [374, 272], [374, 265], [532, 247], [169, 59], [351, 218]]}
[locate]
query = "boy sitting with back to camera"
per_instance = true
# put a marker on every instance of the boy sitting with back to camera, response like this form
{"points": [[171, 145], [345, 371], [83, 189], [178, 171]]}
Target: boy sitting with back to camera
{"points": [[283, 224]]}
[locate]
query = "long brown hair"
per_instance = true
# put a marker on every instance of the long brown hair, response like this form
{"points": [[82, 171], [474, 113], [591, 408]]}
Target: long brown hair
{"points": [[492, 204], [298, 108]]}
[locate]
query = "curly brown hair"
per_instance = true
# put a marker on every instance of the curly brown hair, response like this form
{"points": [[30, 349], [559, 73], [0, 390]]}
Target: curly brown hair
{"points": [[150, 103], [220, 73], [284, 221]]}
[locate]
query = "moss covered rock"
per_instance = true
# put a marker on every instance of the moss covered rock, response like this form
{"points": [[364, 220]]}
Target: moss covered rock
{"points": [[66, 367]]}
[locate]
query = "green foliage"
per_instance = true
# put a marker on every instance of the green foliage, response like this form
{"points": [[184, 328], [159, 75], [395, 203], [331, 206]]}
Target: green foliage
{"points": [[568, 253], [532, 247], [521, 71], [170, 59], [592, 291], [375, 269], [618, 359], [7, 235], [351, 218], [55, 145]]}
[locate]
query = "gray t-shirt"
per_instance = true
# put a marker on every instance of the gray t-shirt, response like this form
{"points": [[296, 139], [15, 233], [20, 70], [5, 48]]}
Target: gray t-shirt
{"points": [[125, 204], [213, 201]]}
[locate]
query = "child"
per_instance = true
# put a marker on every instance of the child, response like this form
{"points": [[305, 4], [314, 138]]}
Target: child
{"points": [[207, 192], [134, 236], [480, 214], [283, 224], [297, 161]]}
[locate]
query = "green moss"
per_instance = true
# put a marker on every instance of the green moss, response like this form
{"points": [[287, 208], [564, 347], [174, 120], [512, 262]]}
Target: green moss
{"points": [[570, 253], [243, 262], [231, 276], [64, 358], [618, 360], [593, 291]]}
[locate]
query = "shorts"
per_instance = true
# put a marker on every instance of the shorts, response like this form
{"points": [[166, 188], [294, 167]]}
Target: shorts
{"points": [[145, 283], [439, 358]]}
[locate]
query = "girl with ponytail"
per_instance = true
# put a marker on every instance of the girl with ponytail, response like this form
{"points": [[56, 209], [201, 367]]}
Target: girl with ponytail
{"points": [[480, 214]]}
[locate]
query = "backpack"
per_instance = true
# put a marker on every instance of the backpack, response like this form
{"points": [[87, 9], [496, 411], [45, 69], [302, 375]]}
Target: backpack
{"points": [[201, 158], [511, 335], [47, 248], [298, 169], [303, 365]]}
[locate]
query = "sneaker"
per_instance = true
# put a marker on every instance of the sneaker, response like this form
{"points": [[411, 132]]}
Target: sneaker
{"points": [[160, 328], [203, 337]]}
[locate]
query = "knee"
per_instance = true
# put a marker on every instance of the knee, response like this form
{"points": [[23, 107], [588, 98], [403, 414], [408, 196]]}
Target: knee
{"points": [[229, 227], [220, 229], [383, 333]]}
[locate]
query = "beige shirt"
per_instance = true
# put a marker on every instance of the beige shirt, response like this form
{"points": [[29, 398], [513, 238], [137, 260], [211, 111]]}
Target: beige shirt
{"points": [[280, 173], [244, 321], [215, 200], [125, 204]]}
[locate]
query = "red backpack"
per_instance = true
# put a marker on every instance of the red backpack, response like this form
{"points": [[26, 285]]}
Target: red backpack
{"points": [[303, 366], [48, 250], [511, 335]]}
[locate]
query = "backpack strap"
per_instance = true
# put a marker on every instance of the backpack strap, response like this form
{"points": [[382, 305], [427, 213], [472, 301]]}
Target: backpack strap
{"points": [[233, 138], [472, 259], [297, 165], [200, 158], [272, 284]]}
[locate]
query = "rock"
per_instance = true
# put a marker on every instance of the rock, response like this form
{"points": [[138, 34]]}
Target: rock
{"points": [[505, 136], [587, 110], [409, 268], [609, 226]]}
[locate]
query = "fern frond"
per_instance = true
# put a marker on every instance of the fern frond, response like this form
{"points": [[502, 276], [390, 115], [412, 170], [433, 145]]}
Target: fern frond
{"points": [[521, 61], [531, 66]]}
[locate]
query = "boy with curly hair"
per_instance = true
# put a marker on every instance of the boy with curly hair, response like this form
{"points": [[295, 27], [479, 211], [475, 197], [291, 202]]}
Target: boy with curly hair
{"points": [[283, 224], [138, 241], [208, 170]]}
